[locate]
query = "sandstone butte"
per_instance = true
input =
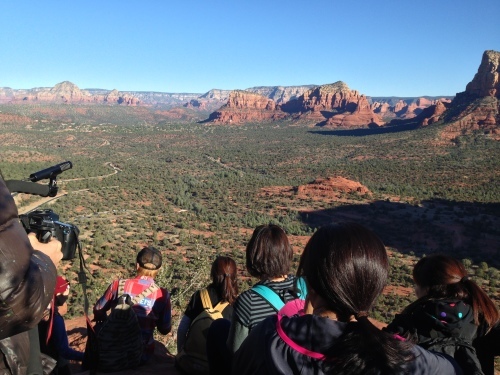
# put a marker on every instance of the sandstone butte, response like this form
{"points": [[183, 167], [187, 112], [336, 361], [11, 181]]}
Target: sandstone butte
{"points": [[324, 189], [478, 107], [331, 106]]}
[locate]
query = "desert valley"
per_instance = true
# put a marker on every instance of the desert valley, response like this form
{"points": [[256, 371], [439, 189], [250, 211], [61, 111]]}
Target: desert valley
{"points": [[194, 173]]}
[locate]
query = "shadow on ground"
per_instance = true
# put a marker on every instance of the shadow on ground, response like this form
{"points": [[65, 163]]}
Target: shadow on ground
{"points": [[461, 229]]}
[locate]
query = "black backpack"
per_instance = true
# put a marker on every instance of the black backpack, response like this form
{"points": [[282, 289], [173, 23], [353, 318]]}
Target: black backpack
{"points": [[116, 344]]}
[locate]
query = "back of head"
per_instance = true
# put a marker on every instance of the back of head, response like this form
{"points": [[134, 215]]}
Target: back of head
{"points": [[445, 277], [149, 260], [268, 252], [347, 265], [224, 278]]}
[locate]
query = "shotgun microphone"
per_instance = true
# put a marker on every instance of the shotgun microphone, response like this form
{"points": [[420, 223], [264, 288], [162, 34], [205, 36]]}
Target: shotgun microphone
{"points": [[50, 172]]}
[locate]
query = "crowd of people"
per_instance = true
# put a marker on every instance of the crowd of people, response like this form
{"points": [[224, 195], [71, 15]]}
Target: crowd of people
{"points": [[316, 321]]}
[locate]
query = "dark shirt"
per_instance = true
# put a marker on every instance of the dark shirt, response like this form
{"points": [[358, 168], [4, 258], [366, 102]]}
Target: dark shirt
{"points": [[195, 306], [264, 352]]}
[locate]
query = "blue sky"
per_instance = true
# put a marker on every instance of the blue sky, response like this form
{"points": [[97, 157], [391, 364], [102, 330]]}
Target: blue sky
{"points": [[380, 48]]}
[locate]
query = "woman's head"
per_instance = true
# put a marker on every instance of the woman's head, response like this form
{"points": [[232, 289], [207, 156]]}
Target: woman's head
{"points": [[441, 276], [223, 273], [268, 253], [347, 265]]}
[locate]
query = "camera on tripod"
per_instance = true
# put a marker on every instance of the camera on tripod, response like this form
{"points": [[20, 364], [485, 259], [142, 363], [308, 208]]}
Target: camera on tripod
{"points": [[45, 224]]}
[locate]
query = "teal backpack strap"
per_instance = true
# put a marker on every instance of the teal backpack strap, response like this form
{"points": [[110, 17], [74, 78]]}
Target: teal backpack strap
{"points": [[302, 287], [269, 295]]}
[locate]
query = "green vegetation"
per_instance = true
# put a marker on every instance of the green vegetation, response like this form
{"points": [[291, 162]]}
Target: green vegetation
{"points": [[195, 191]]}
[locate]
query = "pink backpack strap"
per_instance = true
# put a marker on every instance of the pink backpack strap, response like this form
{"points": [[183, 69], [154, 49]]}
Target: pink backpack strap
{"points": [[294, 345]]}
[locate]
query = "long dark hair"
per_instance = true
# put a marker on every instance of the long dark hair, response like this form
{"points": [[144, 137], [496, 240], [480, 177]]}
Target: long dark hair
{"points": [[224, 279], [446, 277], [347, 265], [268, 252]]}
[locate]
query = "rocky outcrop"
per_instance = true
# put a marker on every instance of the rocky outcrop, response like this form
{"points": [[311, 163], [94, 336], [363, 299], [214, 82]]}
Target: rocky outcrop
{"points": [[281, 94], [116, 97], [331, 187], [66, 92], [433, 113], [361, 116], [334, 105], [244, 107], [403, 108], [478, 107], [323, 189], [486, 82], [221, 95]]}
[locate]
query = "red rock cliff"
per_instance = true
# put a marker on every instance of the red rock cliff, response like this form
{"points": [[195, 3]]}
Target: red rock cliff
{"points": [[243, 107], [486, 82]]}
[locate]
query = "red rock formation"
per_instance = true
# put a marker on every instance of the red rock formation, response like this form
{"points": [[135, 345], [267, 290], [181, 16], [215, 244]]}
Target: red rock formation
{"points": [[247, 107], [67, 92], [336, 96], [334, 105], [433, 114], [331, 187], [478, 107], [115, 97], [486, 82], [324, 189], [361, 116]]}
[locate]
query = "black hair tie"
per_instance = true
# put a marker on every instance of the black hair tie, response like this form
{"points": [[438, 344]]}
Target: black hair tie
{"points": [[464, 279]]}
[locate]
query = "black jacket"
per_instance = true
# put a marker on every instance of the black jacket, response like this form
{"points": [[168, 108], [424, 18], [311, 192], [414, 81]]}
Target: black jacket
{"points": [[264, 352], [27, 282], [441, 325]]}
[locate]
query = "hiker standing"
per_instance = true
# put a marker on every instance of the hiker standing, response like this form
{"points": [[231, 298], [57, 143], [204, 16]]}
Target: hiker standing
{"points": [[153, 308]]}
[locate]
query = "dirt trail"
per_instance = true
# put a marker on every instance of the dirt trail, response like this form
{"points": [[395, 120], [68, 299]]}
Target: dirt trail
{"points": [[39, 202]]}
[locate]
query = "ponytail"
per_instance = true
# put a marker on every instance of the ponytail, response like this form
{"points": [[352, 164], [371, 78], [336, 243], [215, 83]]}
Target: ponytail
{"points": [[363, 348], [224, 280], [446, 277], [484, 308]]}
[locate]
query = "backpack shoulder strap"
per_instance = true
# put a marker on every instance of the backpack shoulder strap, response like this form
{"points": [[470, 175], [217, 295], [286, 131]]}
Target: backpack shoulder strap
{"points": [[269, 295], [205, 299], [121, 287], [146, 292], [221, 306], [293, 344], [214, 312], [302, 287]]}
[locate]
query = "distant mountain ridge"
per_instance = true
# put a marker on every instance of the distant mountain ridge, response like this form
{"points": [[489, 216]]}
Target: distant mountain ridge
{"points": [[67, 92], [332, 105]]}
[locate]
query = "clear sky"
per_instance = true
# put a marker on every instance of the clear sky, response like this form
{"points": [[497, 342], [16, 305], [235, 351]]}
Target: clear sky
{"points": [[380, 48]]}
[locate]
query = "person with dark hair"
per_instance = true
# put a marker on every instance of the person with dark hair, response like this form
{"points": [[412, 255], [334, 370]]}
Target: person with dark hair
{"points": [[451, 310], [221, 293], [153, 310], [345, 267], [224, 287], [268, 258], [28, 277], [52, 331]]}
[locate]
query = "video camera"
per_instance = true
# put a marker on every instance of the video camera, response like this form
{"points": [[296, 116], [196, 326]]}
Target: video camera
{"points": [[44, 222]]}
